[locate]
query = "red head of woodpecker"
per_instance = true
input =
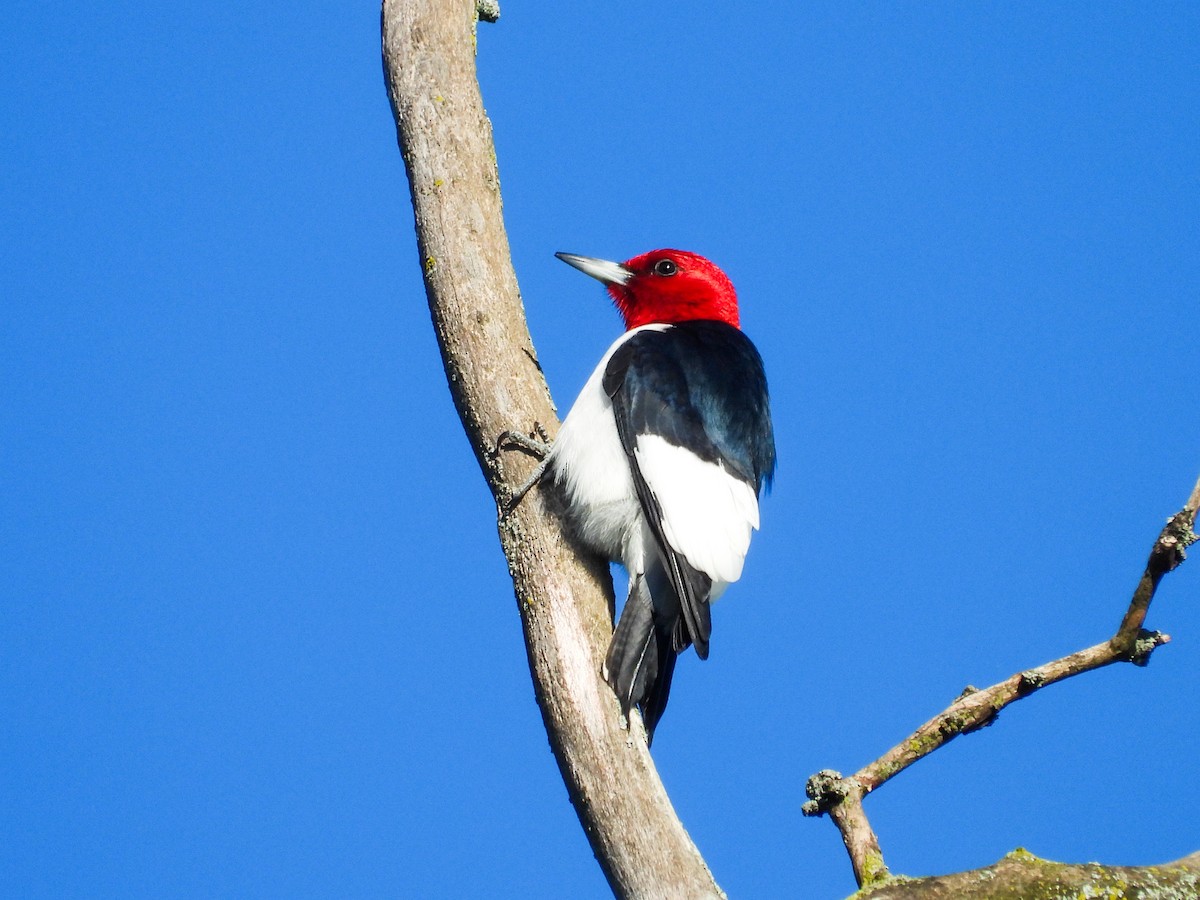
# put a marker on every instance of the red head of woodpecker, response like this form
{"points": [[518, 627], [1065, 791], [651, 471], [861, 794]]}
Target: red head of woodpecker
{"points": [[662, 459], [663, 286]]}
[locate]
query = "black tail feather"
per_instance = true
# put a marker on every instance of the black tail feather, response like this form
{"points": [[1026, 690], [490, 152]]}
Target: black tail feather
{"points": [[694, 625], [631, 665], [655, 703], [649, 637]]}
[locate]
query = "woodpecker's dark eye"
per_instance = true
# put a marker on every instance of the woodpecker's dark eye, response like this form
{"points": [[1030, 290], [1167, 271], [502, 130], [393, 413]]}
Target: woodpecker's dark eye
{"points": [[665, 267]]}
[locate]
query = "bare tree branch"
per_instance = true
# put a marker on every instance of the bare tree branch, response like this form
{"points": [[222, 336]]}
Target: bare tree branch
{"points": [[842, 797], [565, 600], [1021, 874]]}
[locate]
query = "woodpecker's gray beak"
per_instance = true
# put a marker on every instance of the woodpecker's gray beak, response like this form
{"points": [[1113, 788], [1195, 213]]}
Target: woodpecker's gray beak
{"points": [[600, 269]]}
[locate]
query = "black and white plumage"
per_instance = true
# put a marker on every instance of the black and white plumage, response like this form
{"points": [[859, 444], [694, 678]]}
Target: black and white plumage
{"points": [[661, 461]]}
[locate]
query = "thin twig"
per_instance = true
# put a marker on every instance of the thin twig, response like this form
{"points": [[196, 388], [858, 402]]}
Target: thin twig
{"points": [[1167, 553], [842, 797]]}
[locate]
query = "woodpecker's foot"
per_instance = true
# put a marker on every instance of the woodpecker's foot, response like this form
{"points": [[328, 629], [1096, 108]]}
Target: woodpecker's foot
{"points": [[536, 446], [533, 446]]}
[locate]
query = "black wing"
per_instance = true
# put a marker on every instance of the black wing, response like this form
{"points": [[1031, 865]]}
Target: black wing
{"points": [[698, 385]]}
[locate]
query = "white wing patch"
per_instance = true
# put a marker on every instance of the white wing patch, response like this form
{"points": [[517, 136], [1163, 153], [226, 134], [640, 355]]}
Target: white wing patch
{"points": [[707, 513]]}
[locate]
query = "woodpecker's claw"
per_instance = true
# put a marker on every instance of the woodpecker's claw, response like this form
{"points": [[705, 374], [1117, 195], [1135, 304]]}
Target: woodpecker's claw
{"points": [[531, 445], [526, 442]]}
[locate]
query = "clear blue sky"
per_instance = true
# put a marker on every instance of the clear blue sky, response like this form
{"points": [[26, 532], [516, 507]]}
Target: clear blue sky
{"points": [[258, 638]]}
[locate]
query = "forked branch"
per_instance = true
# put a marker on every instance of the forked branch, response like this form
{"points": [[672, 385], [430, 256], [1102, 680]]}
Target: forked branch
{"points": [[841, 797]]}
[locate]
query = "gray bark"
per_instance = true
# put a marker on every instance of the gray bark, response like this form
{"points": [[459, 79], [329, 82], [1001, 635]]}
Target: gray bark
{"points": [[1021, 875]]}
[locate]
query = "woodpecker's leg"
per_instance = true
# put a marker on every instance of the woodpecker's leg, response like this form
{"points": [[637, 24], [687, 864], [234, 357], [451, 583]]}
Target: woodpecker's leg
{"points": [[533, 446]]}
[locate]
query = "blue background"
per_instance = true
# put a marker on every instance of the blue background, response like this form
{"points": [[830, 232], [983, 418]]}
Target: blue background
{"points": [[258, 638]]}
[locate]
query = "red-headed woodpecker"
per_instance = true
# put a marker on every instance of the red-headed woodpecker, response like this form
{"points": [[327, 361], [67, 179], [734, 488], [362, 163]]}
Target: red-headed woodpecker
{"points": [[662, 458]]}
